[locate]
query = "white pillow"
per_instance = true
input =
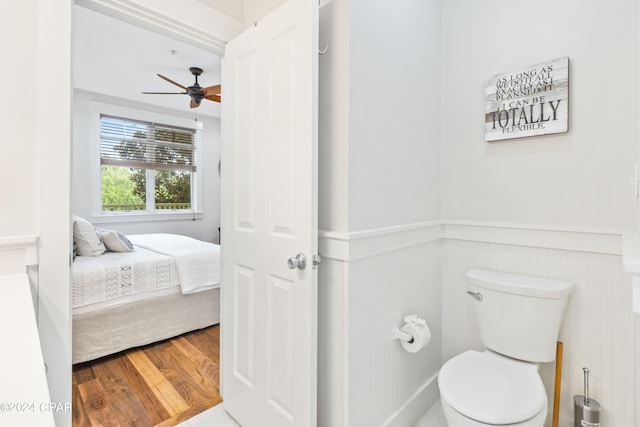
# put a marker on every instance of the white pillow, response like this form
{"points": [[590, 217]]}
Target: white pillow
{"points": [[86, 238], [115, 241]]}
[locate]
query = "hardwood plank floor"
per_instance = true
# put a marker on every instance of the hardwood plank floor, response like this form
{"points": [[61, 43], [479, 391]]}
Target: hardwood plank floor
{"points": [[162, 384]]}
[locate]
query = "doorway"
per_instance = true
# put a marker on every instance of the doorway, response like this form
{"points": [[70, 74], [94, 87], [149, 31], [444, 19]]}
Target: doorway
{"points": [[285, 101], [113, 63]]}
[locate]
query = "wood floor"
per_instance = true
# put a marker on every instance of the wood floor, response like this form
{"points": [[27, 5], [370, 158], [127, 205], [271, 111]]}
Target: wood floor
{"points": [[162, 384]]}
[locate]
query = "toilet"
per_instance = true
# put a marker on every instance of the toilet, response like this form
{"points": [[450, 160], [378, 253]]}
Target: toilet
{"points": [[519, 318]]}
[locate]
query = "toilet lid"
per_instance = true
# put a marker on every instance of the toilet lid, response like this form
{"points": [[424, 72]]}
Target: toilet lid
{"points": [[492, 389]]}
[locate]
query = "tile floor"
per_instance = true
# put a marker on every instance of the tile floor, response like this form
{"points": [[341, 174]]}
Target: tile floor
{"points": [[218, 417], [433, 418], [215, 416]]}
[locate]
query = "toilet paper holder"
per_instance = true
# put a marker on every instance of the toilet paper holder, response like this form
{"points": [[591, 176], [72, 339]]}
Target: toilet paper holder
{"points": [[397, 334]]}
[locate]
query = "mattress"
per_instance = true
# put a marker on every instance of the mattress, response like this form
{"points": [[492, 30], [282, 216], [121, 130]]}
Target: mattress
{"points": [[117, 278]]}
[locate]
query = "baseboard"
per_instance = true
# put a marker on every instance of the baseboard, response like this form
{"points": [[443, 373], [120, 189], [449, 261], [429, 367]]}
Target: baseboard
{"points": [[416, 406]]}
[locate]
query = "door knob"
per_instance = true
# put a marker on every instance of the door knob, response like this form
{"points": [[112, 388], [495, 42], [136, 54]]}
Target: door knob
{"points": [[299, 261]]}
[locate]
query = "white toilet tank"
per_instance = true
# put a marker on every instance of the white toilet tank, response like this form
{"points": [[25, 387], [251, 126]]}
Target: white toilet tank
{"points": [[519, 316]]}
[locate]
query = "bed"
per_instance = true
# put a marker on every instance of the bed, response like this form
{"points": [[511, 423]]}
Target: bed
{"points": [[161, 286]]}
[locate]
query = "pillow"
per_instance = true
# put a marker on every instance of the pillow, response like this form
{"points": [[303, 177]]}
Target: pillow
{"points": [[87, 241], [115, 241]]}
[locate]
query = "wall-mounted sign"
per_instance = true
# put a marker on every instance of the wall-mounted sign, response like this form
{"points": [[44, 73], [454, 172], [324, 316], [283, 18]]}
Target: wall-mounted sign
{"points": [[529, 102]]}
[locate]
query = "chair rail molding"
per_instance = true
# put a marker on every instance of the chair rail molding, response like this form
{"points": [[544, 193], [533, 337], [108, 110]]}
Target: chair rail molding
{"points": [[18, 252], [631, 262], [569, 238], [349, 246]]}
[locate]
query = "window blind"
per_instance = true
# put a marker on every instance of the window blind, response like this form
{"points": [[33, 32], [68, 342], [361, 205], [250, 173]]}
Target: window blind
{"points": [[131, 143]]}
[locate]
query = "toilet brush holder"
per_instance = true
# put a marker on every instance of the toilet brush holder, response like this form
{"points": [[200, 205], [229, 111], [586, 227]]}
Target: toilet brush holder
{"points": [[586, 409]]}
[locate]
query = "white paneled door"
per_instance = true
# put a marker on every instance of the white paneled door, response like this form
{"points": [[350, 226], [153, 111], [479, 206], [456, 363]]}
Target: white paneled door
{"points": [[269, 217]]}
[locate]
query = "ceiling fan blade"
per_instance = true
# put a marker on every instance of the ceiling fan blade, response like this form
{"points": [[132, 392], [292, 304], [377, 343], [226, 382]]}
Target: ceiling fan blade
{"points": [[165, 93], [215, 98], [171, 81], [212, 90]]}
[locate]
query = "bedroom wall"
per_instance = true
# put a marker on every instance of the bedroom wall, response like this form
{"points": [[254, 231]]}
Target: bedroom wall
{"points": [[205, 228]]}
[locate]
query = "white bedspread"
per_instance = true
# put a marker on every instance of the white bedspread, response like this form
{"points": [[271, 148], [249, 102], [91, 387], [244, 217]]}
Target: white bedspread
{"points": [[197, 262], [114, 278]]}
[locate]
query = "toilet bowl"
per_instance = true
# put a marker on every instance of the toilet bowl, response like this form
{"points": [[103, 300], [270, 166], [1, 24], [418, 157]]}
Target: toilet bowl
{"points": [[487, 389], [518, 319]]}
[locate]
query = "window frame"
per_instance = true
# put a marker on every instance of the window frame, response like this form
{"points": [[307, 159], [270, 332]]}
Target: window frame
{"points": [[96, 110]]}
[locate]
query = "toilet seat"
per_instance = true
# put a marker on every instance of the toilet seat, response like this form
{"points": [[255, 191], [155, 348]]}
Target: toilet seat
{"points": [[491, 388]]}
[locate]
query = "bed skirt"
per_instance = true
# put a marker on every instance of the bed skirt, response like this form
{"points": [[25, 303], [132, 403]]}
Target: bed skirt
{"points": [[97, 334]]}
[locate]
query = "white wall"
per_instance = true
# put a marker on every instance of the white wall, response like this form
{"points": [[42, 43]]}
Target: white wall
{"points": [[579, 178], [205, 228], [379, 101], [35, 168], [394, 113], [333, 117], [19, 137], [379, 186]]}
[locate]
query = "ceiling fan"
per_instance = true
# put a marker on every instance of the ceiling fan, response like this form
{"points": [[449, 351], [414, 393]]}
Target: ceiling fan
{"points": [[195, 91]]}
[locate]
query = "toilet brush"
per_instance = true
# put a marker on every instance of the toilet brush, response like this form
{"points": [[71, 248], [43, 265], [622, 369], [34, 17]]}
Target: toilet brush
{"points": [[556, 391], [586, 409]]}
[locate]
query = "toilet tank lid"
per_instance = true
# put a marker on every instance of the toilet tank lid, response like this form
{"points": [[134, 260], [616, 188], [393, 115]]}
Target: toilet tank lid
{"points": [[518, 284]]}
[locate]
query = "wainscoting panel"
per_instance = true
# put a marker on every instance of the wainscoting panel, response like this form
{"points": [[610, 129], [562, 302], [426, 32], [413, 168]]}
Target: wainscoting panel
{"points": [[598, 327], [368, 281], [383, 377], [333, 345]]}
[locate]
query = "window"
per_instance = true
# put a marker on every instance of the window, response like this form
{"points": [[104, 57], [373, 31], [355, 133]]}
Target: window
{"points": [[146, 166]]}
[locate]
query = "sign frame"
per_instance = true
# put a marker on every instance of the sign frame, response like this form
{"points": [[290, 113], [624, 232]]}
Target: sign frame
{"points": [[530, 102]]}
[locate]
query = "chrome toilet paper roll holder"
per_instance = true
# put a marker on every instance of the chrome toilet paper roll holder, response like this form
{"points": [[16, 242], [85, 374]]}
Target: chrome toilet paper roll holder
{"points": [[397, 334]]}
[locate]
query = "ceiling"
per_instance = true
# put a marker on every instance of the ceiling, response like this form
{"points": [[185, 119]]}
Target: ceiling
{"points": [[119, 59]]}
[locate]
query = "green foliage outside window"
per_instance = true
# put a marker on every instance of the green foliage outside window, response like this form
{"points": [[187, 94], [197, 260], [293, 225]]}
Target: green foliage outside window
{"points": [[119, 189], [125, 188]]}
